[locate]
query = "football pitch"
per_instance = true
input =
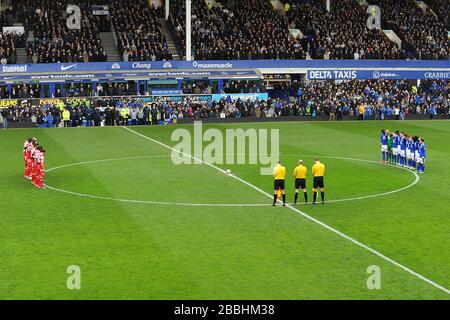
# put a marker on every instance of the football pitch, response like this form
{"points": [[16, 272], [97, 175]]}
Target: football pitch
{"points": [[140, 227]]}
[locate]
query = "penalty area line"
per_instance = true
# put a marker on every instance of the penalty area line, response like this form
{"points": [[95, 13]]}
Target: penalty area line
{"points": [[305, 215]]}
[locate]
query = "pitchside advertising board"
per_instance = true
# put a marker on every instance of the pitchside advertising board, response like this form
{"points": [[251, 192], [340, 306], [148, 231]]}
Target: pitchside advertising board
{"points": [[245, 69], [7, 103], [376, 74], [243, 96], [206, 98]]}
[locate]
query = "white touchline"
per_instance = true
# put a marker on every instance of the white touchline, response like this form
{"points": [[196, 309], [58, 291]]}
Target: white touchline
{"points": [[324, 225]]}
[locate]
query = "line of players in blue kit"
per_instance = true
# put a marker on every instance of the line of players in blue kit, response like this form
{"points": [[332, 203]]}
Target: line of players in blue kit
{"points": [[403, 150]]}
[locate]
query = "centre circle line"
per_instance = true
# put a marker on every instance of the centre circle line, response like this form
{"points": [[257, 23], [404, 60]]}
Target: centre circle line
{"points": [[417, 179]]}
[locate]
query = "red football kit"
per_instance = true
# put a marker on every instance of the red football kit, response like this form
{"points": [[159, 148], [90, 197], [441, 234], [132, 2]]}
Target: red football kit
{"points": [[38, 169], [28, 159]]}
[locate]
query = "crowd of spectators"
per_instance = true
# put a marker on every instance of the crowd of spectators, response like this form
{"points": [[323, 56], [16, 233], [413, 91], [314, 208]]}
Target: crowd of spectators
{"points": [[8, 44], [139, 31], [242, 30], [442, 9], [31, 91], [129, 88], [9, 41], [198, 87], [87, 112], [377, 99], [229, 29], [341, 33], [229, 86], [20, 91], [54, 41], [243, 86], [116, 89], [253, 29], [28, 114], [7, 17], [422, 30]]}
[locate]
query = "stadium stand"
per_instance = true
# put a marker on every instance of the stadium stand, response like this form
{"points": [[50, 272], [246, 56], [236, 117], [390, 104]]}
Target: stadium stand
{"points": [[314, 99], [21, 91], [377, 94], [54, 41], [139, 31], [341, 33], [8, 45], [253, 29], [423, 33], [137, 27], [248, 29], [8, 40], [442, 9], [244, 30]]}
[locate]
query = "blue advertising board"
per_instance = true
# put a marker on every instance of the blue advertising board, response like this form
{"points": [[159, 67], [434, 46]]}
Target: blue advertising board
{"points": [[225, 65], [176, 98], [242, 96], [376, 74], [244, 69]]}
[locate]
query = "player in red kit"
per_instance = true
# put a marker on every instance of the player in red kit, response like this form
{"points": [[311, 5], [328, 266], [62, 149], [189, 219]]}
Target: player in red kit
{"points": [[25, 156], [39, 169], [33, 153], [27, 148]]}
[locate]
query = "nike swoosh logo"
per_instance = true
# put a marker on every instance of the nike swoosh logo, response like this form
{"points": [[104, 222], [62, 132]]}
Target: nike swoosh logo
{"points": [[9, 78], [242, 72], [64, 68]]}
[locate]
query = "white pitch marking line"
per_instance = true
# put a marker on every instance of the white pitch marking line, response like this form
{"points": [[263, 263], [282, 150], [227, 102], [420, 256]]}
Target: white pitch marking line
{"points": [[305, 215], [218, 204], [142, 201], [417, 179], [157, 202]]}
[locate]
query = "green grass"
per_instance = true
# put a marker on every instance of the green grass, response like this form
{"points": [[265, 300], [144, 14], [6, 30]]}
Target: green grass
{"points": [[149, 251]]}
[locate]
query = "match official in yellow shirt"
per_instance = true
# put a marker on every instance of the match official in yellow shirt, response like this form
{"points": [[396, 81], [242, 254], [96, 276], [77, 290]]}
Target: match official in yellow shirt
{"points": [[279, 174], [318, 171], [300, 173]]}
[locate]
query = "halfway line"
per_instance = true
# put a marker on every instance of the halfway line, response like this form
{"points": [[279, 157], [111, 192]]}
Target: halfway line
{"points": [[324, 225]]}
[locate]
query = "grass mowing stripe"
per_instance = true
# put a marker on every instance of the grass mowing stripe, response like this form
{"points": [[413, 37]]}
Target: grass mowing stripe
{"points": [[324, 225]]}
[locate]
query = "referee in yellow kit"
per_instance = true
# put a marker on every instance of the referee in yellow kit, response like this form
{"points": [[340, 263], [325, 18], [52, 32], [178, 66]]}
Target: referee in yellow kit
{"points": [[318, 171], [300, 173], [279, 174]]}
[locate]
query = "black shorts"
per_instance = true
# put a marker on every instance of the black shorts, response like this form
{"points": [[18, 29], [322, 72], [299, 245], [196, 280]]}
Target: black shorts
{"points": [[318, 182], [300, 183], [278, 184]]}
